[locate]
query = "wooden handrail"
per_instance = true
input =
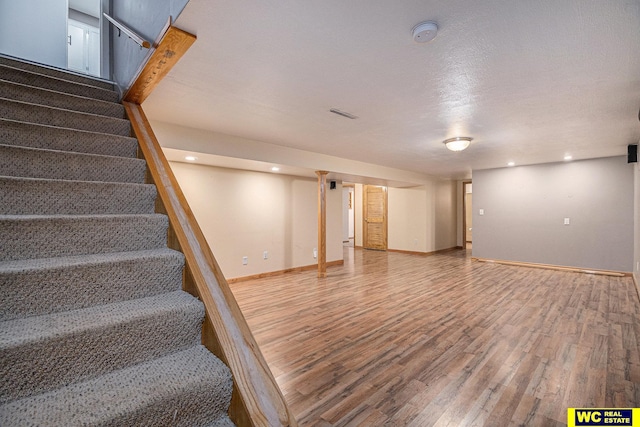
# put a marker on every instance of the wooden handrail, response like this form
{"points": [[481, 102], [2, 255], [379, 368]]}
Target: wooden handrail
{"points": [[257, 399], [173, 44], [132, 35]]}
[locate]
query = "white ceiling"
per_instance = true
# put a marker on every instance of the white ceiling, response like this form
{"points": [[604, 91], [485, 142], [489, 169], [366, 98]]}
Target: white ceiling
{"points": [[88, 7], [530, 81]]}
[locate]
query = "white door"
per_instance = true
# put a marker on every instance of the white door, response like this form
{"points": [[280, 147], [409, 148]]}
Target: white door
{"points": [[75, 47], [83, 48], [93, 51]]}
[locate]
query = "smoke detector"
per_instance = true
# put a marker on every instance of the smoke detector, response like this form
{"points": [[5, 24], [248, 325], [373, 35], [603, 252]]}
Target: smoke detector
{"points": [[425, 31]]}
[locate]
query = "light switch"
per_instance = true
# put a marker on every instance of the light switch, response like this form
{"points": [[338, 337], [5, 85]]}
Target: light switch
{"points": [[481, 211], [567, 221]]}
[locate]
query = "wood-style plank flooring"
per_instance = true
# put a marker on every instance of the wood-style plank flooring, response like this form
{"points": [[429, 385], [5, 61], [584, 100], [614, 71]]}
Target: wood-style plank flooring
{"points": [[393, 339]]}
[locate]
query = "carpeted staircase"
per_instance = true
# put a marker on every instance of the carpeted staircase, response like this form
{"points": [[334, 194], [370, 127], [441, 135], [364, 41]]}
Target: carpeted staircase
{"points": [[95, 329]]}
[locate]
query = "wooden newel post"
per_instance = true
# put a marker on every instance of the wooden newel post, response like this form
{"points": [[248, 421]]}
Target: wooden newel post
{"points": [[322, 223]]}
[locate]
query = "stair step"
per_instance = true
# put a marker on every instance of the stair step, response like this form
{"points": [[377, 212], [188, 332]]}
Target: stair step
{"points": [[60, 117], [33, 236], [65, 84], [34, 287], [190, 388], [35, 196], [51, 164], [94, 326], [41, 353], [36, 95], [55, 72], [34, 135]]}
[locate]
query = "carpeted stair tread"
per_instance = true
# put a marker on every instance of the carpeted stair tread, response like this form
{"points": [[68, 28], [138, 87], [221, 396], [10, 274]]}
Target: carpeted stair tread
{"points": [[50, 98], [61, 117], [34, 236], [34, 135], [33, 287], [41, 353], [35, 196], [56, 72], [38, 79], [95, 329], [52, 164], [190, 388], [222, 422]]}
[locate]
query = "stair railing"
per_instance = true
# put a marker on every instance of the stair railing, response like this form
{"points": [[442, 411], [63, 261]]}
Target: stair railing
{"points": [[129, 32], [257, 399]]}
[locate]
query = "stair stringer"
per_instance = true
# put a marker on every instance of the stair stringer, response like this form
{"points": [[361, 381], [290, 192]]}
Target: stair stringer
{"points": [[257, 399]]}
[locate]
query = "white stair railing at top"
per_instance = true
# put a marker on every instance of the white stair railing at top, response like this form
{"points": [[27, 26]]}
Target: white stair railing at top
{"points": [[132, 35]]}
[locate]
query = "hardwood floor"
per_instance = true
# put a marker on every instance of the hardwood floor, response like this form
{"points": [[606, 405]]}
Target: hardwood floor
{"points": [[396, 339]]}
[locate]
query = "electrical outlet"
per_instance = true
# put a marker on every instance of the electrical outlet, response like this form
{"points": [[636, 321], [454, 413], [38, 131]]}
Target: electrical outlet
{"points": [[567, 221], [245, 260], [265, 255], [315, 253]]}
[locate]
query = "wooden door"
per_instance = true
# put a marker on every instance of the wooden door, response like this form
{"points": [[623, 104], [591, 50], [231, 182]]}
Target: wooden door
{"points": [[374, 214]]}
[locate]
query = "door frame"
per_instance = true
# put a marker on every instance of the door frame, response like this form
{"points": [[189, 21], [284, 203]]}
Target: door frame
{"points": [[86, 48], [464, 213], [352, 189]]}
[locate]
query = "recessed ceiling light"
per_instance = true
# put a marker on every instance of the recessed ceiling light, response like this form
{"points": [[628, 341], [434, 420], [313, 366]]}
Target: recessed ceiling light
{"points": [[275, 169], [190, 158], [511, 164], [568, 157]]}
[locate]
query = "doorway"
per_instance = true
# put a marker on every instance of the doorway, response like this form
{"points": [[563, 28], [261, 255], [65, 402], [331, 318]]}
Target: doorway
{"points": [[83, 36], [374, 215], [467, 214], [348, 215]]}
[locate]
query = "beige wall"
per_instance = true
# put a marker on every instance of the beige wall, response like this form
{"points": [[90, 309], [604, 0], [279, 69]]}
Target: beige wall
{"points": [[244, 213], [420, 219], [408, 219], [429, 218], [445, 208], [525, 208]]}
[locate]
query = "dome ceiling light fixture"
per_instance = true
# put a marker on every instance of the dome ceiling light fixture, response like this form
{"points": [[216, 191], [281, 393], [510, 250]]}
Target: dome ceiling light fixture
{"points": [[425, 31], [458, 143]]}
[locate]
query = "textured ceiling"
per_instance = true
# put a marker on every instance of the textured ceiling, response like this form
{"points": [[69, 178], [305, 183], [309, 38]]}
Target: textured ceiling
{"points": [[530, 81]]}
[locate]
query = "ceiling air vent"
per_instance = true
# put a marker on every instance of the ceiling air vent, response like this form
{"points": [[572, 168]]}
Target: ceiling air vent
{"points": [[343, 114]]}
